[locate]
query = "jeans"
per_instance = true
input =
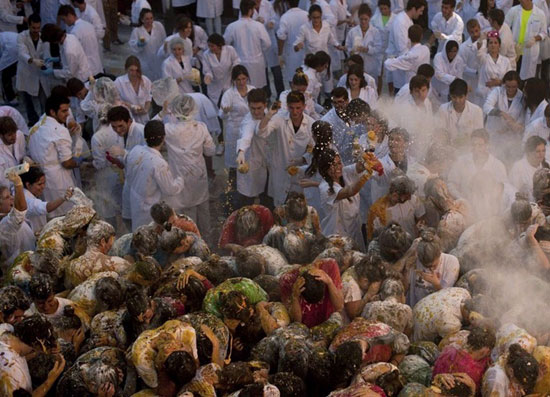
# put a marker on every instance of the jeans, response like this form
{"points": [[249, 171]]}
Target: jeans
{"points": [[34, 105], [7, 82]]}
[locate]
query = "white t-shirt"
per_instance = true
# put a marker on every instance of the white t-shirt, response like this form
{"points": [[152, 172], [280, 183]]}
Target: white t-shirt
{"points": [[14, 372]]}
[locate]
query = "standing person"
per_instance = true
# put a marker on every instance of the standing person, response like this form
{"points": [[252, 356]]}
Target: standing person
{"points": [[367, 41], [50, 145], [8, 65], [448, 66], [317, 34], [358, 88], [148, 176], [288, 137], [528, 24], [468, 51], [89, 14], [251, 41], [217, 63], [12, 146], [535, 99], [233, 109], [382, 20], [493, 65], [507, 43], [447, 25], [29, 82], [178, 66], [137, 7], [111, 24], [521, 173], [85, 33], [289, 26], [145, 41], [9, 18], [398, 42], [211, 11], [135, 90], [74, 62]]}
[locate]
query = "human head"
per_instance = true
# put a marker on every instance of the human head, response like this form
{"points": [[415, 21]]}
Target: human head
{"points": [[183, 107], [35, 23], [415, 33], [426, 70], [511, 83], [385, 7], [109, 293], [534, 92], [438, 194], [526, 4], [356, 77], [458, 91], [370, 269], [314, 289], [535, 150], [481, 341], [215, 43], [451, 49], [322, 134], [41, 291], [145, 240], [67, 14], [419, 87], [358, 110], [289, 385], [80, 4], [139, 306], [257, 102], [296, 104], [521, 366], [493, 42], [133, 67], [146, 18], [315, 14], [57, 107], [398, 140], [250, 263], [8, 130], [299, 81], [52, 33], [34, 180], [474, 29], [416, 7], [392, 288], [161, 213], [77, 88], [428, 250], [234, 305], [247, 224], [13, 303], [479, 140], [340, 99], [296, 207], [180, 366], [239, 75], [100, 234], [330, 167], [247, 7], [320, 61], [120, 120], [393, 241], [365, 14], [36, 331], [447, 8], [154, 133], [175, 240], [401, 189], [184, 26], [177, 47], [496, 18]]}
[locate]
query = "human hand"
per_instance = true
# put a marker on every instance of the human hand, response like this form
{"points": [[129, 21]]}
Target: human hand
{"points": [[263, 305], [431, 278], [51, 60], [106, 390], [78, 338], [68, 194], [438, 35], [298, 47], [14, 178], [183, 278], [226, 109], [373, 289], [530, 43], [270, 25], [320, 275], [58, 367], [207, 79], [46, 72], [447, 380], [37, 62], [141, 44], [240, 158], [260, 19], [298, 287]]}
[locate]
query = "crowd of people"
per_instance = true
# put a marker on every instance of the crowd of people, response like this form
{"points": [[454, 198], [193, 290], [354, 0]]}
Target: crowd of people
{"points": [[385, 221]]}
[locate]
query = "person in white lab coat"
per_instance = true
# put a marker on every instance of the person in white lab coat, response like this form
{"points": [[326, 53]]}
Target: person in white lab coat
{"points": [[33, 86], [459, 117], [252, 153], [343, 18], [135, 90], [85, 32], [507, 43], [382, 20], [145, 41], [521, 173], [148, 176], [211, 10], [493, 65], [534, 97], [16, 116], [315, 66], [417, 55], [289, 27], [398, 42], [233, 109], [367, 41], [288, 138], [74, 62], [187, 142], [316, 35], [8, 65], [89, 14], [528, 48], [8, 16], [50, 145], [251, 41], [178, 66], [448, 66], [447, 25], [468, 52], [217, 63], [483, 15], [12, 146], [135, 13], [300, 83], [357, 87]]}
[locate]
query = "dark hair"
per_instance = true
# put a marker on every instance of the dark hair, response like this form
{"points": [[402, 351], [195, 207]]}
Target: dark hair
{"points": [[154, 133], [269, 284], [429, 247], [256, 95], [246, 6], [35, 330], [326, 158], [358, 108], [237, 71], [180, 366], [231, 306], [60, 90], [161, 212], [109, 293], [181, 23], [451, 3], [347, 360], [402, 184], [296, 207], [415, 33], [458, 88], [53, 103], [51, 33], [66, 10], [356, 59], [314, 8], [294, 358], [75, 85], [364, 9], [289, 385], [249, 263], [34, 18], [142, 14], [7, 125], [316, 60], [247, 223], [480, 133], [12, 298], [357, 71], [33, 175], [339, 92], [293, 3], [386, 3], [497, 15], [417, 82], [371, 268], [215, 269], [416, 4], [322, 133], [41, 286], [535, 92], [481, 337], [314, 289], [137, 302], [194, 292], [252, 390], [118, 113], [524, 366], [132, 60], [484, 8], [450, 45], [295, 97], [393, 241], [472, 23], [426, 70], [216, 39], [511, 75], [39, 367]]}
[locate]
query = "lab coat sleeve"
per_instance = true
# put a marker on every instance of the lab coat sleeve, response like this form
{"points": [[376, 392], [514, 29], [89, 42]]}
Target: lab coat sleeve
{"points": [[301, 37], [478, 121], [274, 123], [208, 146], [456, 34], [168, 185], [11, 223], [70, 69], [64, 147], [36, 207], [22, 50], [225, 102], [402, 62], [7, 17], [235, 60], [133, 42], [228, 35], [282, 32], [206, 69], [246, 133], [98, 153], [492, 101], [88, 105], [377, 46], [440, 73], [264, 37], [401, 38]]}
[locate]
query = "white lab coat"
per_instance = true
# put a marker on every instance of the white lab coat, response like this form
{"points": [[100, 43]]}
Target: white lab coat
{"points": [[539, 112], [239, 109], [73, 60], [219, 70], [446, 72], [8, 16], [208, 113], [371, 82], [311, 106], [187, 143], [399, 43], [504, 5], [316, 41], [468, 11], [37, 212], [137, 6], [374, 41], [149, 180], [209, 8], [48, 11], [458, 127], [285, 145], [521, 177], [147, 54], [129, 95], [270, 16], [434, 6], [507, 44], [483, 23], [251, 41], [497, 99], [314, 83], [537, 127], [16, 116], [50, 145], [172, 68], [91, 15], [490, 70], [11, 155], [256, 155], [28, 78], [187, 46], [98, 6], [536, 26], [451, 29], [409, 62], [289, 27], [544, 44], [8, 49], [367, 94], [468, 52], [85, 32], [340, 10]]}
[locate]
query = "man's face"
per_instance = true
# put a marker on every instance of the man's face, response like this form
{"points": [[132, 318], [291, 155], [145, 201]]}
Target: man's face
{"points": [[81, 7], [62, 114], [420, 94], [69, 20], [511, 87], [16, 317], [397, 144], [480, 148], [526, 4], [539, 154], [82, 93], [296, 110], [474, 33], [417, 12], [384, 10], [47, 306], [339, 103], [458, 101], [257, 110], [34, 28], [9, 138], [121, 127], [446, 11]]}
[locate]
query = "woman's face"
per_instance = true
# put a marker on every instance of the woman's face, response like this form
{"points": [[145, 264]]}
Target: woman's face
{"points": [[186, 32], [147, 20], [133, 72], [6, 201], [178, 51], [364, 21], [316, 19], [335, 170], [322, 68], [299, 88], [215, 49], [241, 81], [385, 10], [354, 81], [511, 87], [490, 4], [37, 187], [493, 46], [451, 54]]}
